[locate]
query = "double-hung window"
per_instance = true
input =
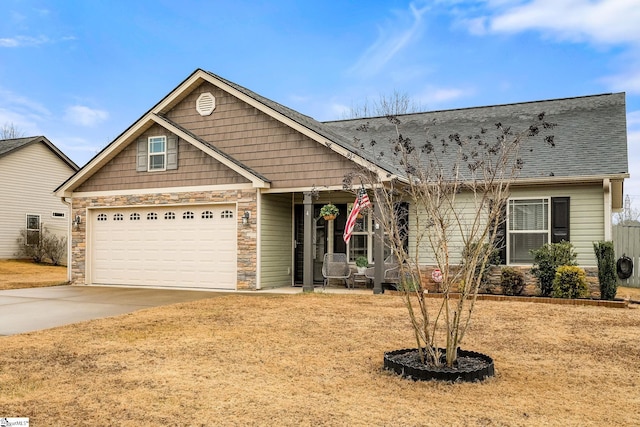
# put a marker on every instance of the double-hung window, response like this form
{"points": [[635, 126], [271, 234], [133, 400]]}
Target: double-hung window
{"points": [[33, 229], [361, 240], [157, 153], [528, 228]]}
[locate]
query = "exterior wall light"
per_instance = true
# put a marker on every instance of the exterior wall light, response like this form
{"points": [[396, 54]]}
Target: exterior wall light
{"points": [[245, 217], [77, 221]]}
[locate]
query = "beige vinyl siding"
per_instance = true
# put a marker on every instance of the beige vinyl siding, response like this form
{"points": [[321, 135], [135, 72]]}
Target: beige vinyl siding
{"points": [[275, 240], [586, 220], [283, 155], [29, 176], [194, 168]]}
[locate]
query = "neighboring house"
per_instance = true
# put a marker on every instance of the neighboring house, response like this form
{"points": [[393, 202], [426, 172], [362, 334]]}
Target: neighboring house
{"points": [[30, 170], [218, 187]]}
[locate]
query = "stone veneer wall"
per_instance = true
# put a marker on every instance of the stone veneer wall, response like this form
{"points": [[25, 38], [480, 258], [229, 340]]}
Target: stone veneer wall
{"points": [[247, 235], [531, 282]]}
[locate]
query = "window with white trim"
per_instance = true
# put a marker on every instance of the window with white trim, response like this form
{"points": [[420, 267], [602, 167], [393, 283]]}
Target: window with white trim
{"points": [[58, 215], [361, 242], [33, 229], [157, 153], [528, 228]]}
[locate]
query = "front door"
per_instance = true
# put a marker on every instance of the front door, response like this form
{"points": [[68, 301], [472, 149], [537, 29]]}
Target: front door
{"points": [[321, 240]]}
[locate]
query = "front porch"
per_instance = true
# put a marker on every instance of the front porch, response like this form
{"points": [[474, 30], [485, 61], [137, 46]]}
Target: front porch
{"points": [[294, 238]]}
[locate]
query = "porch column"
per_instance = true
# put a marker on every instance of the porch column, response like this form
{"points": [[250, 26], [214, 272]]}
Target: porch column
{"points": [[307, 264], [378, 250]]}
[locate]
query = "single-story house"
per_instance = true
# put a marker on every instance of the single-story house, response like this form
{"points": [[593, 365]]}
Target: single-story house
{"points": [[217, 187], [30, 170]]}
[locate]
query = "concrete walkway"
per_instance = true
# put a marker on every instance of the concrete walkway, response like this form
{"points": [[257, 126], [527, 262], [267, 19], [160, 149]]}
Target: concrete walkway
{"points": [[33, 309]]}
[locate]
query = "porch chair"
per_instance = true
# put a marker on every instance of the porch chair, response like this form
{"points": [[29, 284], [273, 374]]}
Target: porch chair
{"points": [[336, 266], [390, 271]]}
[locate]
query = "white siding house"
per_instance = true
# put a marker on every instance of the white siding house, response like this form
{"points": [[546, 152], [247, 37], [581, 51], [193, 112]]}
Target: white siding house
{"points": [[30, 170]]}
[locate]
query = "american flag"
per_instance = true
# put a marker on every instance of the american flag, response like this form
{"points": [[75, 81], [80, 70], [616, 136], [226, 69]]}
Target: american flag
{"points": [[362, 202]]}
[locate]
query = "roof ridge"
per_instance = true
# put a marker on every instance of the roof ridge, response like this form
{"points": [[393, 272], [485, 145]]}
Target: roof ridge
{"points": [[479, 107]]}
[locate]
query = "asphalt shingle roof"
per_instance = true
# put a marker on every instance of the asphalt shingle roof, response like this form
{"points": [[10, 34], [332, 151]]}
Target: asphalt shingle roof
{"points": [[8, 145], [590, 136]]}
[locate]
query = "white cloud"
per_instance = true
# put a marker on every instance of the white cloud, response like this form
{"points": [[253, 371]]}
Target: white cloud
{"points": [[85, 116], [27, 115], [633, 119], [627, 81], [23, 41], [396, 35], [603, 22], [433, 96]]}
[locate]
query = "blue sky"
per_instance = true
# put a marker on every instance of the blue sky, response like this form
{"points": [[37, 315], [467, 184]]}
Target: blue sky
{"points": [[80, 72]]}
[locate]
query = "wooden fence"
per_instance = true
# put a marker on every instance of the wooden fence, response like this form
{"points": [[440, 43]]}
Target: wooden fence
{"points": [[626, 241]]}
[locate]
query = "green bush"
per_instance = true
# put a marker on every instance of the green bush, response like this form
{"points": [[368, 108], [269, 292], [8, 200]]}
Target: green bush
{"points": [[512, 281], [546, 261], [606, 269], [570, 282]]}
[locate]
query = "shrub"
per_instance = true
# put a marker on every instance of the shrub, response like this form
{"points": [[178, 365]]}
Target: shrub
{"points": [[362, 261], [606, 269], [546, 261], [47, 246], [512, 281], [570, 282]]}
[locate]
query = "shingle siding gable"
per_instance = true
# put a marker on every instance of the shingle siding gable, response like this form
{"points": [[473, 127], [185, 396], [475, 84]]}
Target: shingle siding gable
{"points": [[274, 150], [194, 168]]}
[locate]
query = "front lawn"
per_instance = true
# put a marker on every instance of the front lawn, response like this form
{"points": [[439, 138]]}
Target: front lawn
{"points": [[310, 360], [16, 274]]}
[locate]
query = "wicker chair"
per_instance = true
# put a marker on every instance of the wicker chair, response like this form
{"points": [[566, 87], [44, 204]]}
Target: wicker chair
{"points": [[336, 266]]}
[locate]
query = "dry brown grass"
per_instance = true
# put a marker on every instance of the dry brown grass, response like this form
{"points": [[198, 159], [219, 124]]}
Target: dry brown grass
{"points": [[312, 360], [16, 274]]}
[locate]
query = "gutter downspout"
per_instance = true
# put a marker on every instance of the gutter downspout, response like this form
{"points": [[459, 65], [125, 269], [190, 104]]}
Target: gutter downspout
{"points": [[69, 236], [606, 186]]}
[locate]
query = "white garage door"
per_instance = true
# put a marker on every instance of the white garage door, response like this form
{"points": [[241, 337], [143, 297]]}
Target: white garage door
{"points": [[178, 246]]}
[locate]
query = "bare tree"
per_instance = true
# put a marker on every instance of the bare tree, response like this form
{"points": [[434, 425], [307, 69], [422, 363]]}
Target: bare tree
{"points": [[10, 131], [393, 104], [629, 214], [457, 188]]}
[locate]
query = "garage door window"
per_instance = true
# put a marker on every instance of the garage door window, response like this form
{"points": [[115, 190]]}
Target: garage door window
{"points": [[102, 217], [187, 215], [226, 214], [135, 217], [118, 217], [207, 215], [152, 216], [170, 215]]}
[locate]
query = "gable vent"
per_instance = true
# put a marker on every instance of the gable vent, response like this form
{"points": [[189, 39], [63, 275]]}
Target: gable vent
{"points": [[205, 104]]}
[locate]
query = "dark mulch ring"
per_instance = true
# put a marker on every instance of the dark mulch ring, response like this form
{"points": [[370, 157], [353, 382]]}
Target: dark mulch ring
{"points": [[469, 366]]}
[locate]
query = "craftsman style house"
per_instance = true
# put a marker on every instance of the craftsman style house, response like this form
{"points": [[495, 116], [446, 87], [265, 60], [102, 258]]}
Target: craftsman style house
{"points": [[217, 187], [30, 169]]}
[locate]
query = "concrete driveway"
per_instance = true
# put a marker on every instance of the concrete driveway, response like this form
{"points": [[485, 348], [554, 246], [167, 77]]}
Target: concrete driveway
{"points": [[26, 310]]}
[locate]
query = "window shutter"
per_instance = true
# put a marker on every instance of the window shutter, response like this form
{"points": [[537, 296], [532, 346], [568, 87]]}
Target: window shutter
{"points": [[142, 155], [559, 219], [500, 241], [172, 152]]}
